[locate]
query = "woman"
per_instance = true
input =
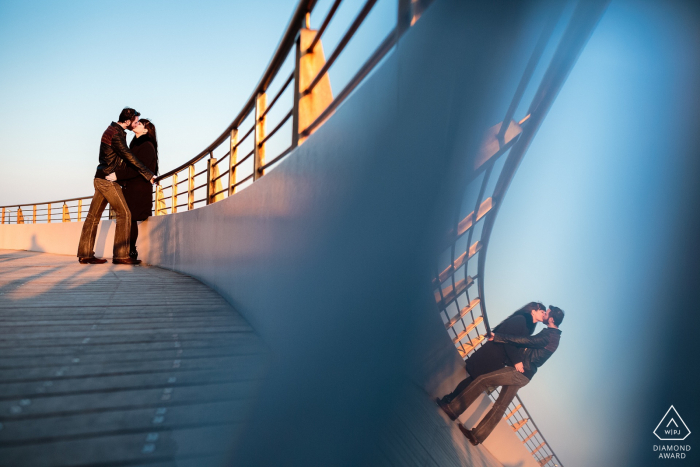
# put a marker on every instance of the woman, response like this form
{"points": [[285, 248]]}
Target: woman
{"points": [[138, 191]]}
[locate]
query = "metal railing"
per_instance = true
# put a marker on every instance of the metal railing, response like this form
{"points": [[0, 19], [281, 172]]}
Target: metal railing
{"points": [[207, 179], [463, 262]]}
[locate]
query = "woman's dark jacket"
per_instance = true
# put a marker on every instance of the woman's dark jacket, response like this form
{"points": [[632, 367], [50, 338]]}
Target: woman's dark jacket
{"points": [[536, 349], [138, 191], [492, 356]]}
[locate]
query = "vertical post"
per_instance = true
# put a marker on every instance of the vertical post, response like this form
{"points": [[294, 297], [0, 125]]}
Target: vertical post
{"points": [[214, 183], [405, 16], [160, 203], [34, 214], [48, 212], [3, 216], [66, 214], [309, 105], [20, 216], [259, 155], [297, 95], [209, 179], [190, 188], [173, 196], [232, 159], [80, 210], [110, 212]]}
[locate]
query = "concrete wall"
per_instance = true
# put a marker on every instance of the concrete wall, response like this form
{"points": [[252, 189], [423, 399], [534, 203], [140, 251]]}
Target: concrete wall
{"points": [[329, 256]]}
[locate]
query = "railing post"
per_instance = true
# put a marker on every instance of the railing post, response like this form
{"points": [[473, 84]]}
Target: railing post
{"points": [[405, 16], [20, 216], [308, 106], [259, 155], [173, 195], [3, 216], [160, 203], [409, 12], [66, 214], [110, 212], [297, 93], [34, 214], [190, 188], [80, 210], [232, 159], [48, 212]]}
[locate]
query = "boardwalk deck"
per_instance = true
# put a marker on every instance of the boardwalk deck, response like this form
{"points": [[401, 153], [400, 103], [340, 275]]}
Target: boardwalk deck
{"points": [[108, 365]]}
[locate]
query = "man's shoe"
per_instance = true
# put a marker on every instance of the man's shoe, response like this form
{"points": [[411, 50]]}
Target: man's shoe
{"points": [[133, 262], [468, 434], [133, 254], [445, 408], [92, 260]]}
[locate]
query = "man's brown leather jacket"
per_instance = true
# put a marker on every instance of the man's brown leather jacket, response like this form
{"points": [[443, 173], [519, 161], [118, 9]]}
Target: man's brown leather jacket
{"points": [[113, 151]]}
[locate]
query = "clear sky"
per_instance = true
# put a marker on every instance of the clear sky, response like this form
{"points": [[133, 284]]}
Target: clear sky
{"points": [[583, 225]]}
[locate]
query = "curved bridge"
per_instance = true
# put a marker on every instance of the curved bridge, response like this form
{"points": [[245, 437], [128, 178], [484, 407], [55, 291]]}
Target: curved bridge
{"points": [[337, 249]]}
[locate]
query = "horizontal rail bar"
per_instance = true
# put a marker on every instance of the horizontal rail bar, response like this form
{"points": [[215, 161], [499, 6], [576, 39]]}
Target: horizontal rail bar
{"points": [[221, 191], [341, 45], [283, 154], [244, 159], [220, 176], [274, 130], [324, 25], [371, 62], [243, 181], [277, 96], [46, 202], [222, 158]]}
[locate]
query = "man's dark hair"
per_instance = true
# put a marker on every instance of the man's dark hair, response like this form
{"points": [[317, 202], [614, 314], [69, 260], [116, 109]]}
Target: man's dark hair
{"points": [[556, 313], [128, 114]]}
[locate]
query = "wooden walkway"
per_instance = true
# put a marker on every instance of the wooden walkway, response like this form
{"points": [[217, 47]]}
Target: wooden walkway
{"points": [[106, 365]]}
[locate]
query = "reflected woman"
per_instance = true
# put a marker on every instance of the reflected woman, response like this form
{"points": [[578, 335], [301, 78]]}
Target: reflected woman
{"points": [[138, 192]]}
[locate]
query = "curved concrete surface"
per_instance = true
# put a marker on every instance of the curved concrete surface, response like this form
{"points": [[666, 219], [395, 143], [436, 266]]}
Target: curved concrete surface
{"points": [[329, 256]]}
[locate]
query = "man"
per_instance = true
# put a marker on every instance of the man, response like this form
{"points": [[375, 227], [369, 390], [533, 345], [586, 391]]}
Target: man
{"points": [[536, 351], [113, 150], [493, 356]]}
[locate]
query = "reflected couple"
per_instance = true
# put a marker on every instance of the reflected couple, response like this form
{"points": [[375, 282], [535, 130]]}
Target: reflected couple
{"points": [[509, 359]]}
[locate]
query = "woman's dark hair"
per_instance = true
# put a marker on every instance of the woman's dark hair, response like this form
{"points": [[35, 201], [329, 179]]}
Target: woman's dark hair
{"points": [[128, 114], [556, 313], [151, 129], [526, 311]]}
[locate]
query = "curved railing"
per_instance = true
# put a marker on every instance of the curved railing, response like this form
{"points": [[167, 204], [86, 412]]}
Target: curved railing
{"points": [[208, 179], [503, 147]]}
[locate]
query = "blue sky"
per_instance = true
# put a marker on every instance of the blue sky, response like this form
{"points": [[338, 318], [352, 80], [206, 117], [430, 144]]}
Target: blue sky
{"points": [[592, 203]]}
